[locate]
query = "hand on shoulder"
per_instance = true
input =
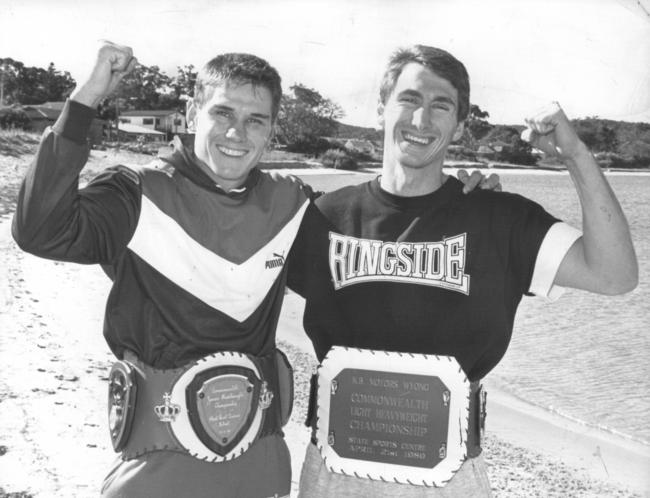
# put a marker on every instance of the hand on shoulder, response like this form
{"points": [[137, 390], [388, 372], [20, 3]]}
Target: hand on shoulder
{"points": [[478, 179]]}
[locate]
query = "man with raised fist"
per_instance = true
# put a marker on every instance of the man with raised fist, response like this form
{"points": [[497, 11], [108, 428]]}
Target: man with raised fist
{"points": [[411, 290], [200, 393]]}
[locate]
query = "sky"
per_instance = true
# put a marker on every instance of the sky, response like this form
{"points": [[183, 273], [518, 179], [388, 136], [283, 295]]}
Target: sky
{"points": [[592, 56]]}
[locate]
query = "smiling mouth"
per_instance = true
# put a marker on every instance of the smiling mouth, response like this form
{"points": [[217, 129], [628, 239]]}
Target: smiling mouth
{"points": [[415, 139], [231, 152]]}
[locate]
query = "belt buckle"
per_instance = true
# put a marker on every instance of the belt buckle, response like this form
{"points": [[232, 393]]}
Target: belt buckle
{"points": [[221, 402], [392, 416], [218, 406]]}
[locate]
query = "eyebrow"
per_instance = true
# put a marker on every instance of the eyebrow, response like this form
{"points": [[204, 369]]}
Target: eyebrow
{"points": [[415, 93], [221, 107], [410, 93], [261, 115], [446, 100]]}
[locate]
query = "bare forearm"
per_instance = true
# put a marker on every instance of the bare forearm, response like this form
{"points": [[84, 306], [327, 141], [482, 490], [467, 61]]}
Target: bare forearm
{"points": [[606, 243], [603, 259]]}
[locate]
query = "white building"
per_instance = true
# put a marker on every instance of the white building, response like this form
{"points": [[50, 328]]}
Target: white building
{"points": [[167, 121]]}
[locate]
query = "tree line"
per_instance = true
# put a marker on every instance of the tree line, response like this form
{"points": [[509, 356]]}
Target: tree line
{"points": [[616, 144], [305, 115]]}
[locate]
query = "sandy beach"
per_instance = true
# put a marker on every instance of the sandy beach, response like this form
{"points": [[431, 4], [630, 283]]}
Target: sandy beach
{"points": [[53, 436], [53, 429]]}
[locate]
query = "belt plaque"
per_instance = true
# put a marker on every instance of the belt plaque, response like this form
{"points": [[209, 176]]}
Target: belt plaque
{"points": [[222, 403], [225, 398], [392, 416]]}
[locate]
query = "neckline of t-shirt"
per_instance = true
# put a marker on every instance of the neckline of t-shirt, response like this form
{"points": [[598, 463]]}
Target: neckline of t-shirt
{"points": [[448, 189]]}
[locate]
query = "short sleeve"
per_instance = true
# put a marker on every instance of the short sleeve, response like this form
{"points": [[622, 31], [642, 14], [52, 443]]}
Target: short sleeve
{"points": [[528, 224], [558, 240]]}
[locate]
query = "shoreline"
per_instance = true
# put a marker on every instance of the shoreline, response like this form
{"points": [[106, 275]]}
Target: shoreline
{"points": [[52, 393], [601, 455], [508, 397], [450, 171]]}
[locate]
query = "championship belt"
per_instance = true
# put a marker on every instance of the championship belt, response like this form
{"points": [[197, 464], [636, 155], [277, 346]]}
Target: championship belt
{"points": [[396, 417], [214, 409]]}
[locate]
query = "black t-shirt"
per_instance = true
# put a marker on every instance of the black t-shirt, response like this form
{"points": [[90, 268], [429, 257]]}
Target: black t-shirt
{"points": [[441, 273]]}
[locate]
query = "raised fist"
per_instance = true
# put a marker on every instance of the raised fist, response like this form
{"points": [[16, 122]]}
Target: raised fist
{"points": [[112, 64], [550, 131]]}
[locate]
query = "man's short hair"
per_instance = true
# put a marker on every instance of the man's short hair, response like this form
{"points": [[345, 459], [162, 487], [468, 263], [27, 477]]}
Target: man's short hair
{"points": [[239, 69], [437, 60]]}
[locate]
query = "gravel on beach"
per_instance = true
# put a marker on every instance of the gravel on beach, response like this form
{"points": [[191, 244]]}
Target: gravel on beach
{"points": [[53, 436]]}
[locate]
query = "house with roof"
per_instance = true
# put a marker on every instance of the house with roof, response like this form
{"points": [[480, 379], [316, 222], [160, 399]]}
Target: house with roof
{"points": [[169, 122], [128, 132], [43, 115], [486, 151]]}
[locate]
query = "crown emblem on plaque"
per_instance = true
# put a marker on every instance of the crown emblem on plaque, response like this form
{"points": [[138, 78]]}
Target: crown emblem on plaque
{"points": [[266, 396], [167, 412]]}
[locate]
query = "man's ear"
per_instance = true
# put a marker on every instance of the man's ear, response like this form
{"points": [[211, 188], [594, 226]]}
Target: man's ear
{"points": [[460, 128], [380, 115], [190, 115]]}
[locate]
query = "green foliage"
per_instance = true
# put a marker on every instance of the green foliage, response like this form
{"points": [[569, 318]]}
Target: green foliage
{"points": [[361, 133], [146, 88], [476, 127], [316, 102], [502, 133], [616, 144], [14, 118], [596, 134], [305, 117], [184, 82], [309, 144], [512, 148], [614, 160], [628, 140], [33, 85], [519, 152], [338, 159]]}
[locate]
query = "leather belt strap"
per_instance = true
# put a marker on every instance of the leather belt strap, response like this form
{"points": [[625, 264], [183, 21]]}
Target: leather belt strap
{"points": [[149, 434], [477, 415]]}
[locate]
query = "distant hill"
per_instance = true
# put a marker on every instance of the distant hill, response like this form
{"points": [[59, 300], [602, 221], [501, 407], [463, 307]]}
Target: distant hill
{"points": [[605, 135], [621, 143], [600, 135], [360, 133], [630, 138]]}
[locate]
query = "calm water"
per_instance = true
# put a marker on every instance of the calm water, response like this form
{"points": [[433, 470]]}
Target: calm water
{"points": [[584, 356]]}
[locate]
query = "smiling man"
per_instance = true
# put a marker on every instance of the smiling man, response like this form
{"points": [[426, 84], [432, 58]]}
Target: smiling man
{"points": [[411, 290], [195, 244], [420, 117], [227, 149]]}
